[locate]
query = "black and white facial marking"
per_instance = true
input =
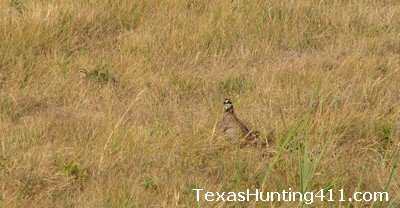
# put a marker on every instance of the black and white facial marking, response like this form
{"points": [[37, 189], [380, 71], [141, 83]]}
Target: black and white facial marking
{"points": [[227, 104]]}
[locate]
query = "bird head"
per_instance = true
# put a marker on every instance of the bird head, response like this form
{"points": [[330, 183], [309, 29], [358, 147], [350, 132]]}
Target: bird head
{"points": [[82, 73], [227, 104]]}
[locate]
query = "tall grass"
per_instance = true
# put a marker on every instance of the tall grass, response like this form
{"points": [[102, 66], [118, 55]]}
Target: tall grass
{"points": [[322, 75]]}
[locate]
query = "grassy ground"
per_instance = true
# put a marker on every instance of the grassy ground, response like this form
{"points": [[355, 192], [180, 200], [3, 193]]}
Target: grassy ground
{"points": [[324, 75]]}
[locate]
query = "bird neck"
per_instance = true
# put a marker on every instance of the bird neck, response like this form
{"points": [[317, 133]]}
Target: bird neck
{"points": [[229, 110]]}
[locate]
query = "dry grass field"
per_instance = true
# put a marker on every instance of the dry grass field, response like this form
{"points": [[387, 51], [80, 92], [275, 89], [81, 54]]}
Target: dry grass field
{"points": [[323, 75]]}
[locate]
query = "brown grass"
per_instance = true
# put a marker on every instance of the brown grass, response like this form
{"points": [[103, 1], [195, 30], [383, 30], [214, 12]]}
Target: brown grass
{"points": [[332, 66]]}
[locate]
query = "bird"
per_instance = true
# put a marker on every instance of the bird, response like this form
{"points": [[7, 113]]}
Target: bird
{"points": [[108, 78], [82, 73], [234, 129]]}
